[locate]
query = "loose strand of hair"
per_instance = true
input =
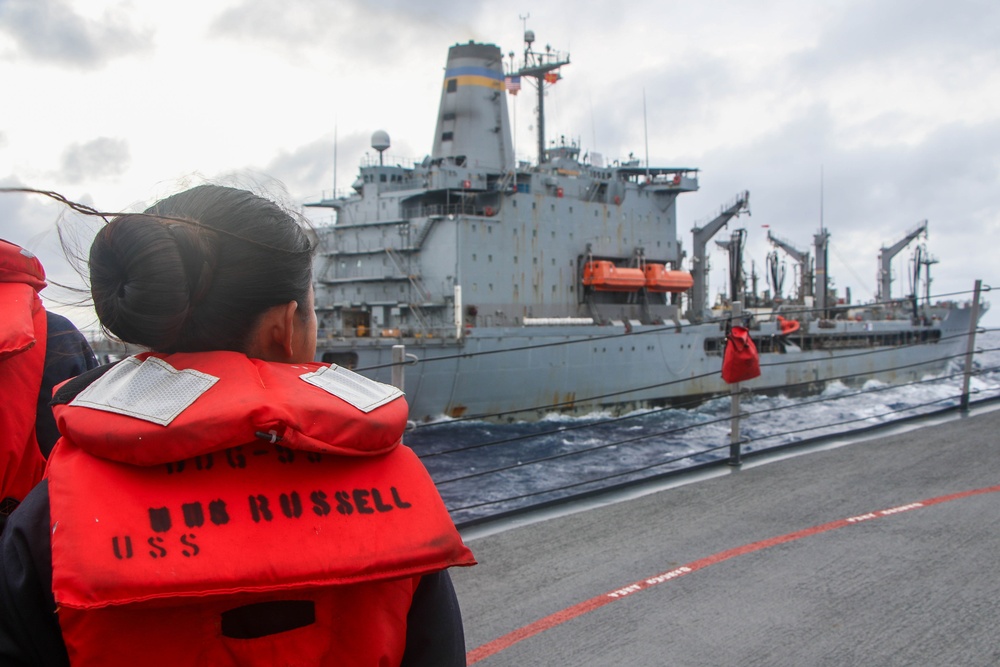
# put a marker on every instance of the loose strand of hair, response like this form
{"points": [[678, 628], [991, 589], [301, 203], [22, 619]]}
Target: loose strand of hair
{"points": [[108, 216]]}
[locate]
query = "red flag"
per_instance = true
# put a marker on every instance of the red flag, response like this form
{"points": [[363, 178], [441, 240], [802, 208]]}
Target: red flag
{"points": [[551, 77]]}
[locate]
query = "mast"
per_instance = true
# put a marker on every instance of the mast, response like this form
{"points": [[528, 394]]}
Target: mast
{"points": [[821, 243], [541, 67]]}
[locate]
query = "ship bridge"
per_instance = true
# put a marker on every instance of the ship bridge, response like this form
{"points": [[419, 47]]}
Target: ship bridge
{"points": [[683, 179]]}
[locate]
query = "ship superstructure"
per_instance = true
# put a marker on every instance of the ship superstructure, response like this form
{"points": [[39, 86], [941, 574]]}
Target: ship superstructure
{"points": [[466, 239]]}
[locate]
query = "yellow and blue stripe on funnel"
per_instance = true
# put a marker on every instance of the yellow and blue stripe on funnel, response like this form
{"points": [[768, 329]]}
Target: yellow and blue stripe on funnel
{"points": [[474, 76]]}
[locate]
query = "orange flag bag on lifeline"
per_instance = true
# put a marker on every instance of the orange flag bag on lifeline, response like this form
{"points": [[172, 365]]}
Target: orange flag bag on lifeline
{"points": [[740, 360]]}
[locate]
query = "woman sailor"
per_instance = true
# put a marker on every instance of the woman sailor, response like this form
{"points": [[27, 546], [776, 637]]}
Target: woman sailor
{"points": [[222, 499]]}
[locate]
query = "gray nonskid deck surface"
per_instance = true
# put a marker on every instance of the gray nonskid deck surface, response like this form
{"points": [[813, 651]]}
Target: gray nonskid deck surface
{"points": [[920, 587]]}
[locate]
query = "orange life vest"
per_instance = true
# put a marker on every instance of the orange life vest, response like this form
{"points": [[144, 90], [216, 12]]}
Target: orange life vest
{"points": [[307, 505], [22, 362]]}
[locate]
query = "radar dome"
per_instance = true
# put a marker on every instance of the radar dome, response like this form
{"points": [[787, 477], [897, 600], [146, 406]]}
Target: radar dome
{"points": [[380, 140]]}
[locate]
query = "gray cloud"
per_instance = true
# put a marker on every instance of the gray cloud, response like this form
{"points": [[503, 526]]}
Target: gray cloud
{"points": [[50, 31], [299, 21], [897, 35], [871, 196], [31, 221], [679, 97], [305, 169], [97, 158], [16, 217], [351, 32]]}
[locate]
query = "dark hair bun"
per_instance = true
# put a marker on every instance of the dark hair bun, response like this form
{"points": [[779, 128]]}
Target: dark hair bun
{"points": [[146, 276]]}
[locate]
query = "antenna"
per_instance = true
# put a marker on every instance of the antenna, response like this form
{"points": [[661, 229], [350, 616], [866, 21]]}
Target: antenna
{"points": [[529, 37], [593, 125], [513, 105], [645, 130], [334, 159], [821, 198]]}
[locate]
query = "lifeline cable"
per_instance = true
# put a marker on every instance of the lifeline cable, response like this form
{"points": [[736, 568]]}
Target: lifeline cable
{"points": [[659, 464], [678, 430], [662, 463]]}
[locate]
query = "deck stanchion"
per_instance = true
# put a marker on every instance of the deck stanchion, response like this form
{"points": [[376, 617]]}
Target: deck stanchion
{"points": [[734, 428], [970, 346], [734, 405], [398, 366]]}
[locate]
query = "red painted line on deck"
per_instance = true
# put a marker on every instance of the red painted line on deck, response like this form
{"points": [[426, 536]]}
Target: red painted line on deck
{"points": [[543, 624]]}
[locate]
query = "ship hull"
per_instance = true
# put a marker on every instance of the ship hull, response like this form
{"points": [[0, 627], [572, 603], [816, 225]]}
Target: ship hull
{"points": [[522, 373]]}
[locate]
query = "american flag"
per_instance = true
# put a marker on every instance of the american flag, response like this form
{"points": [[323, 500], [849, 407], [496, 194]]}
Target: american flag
{"points": [[513, 84]]}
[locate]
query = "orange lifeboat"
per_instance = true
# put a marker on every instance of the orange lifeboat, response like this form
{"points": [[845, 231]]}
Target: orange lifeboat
{"points": [[604, 276], [787, 326], [660, 279]]}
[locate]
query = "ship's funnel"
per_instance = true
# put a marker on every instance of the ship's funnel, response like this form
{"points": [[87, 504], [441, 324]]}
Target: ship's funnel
{"points": [[473, 127]]}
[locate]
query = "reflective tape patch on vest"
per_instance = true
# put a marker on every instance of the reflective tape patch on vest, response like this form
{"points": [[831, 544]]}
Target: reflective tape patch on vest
{"points": [[150, 389], [359, 391]]}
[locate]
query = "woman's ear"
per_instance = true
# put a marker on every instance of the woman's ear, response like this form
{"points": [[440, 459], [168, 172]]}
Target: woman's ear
{"points": [[272, 339]]}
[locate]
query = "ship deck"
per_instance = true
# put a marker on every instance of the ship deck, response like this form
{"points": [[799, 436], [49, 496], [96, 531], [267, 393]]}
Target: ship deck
{"points": [[881, 551]]}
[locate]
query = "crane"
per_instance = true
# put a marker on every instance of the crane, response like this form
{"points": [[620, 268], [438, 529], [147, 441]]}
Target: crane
{"points": [[885, 256], [804, 261], [699, 256]]}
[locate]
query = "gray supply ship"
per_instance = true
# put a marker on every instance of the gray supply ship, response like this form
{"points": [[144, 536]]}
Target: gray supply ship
{"points": [[521, 289]]}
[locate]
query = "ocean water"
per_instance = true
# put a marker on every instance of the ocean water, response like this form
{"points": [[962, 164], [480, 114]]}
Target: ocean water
{"points": [[484, 469]]}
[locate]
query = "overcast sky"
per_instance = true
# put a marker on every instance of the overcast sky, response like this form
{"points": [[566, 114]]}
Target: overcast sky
{"points": [[895, 102]]}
